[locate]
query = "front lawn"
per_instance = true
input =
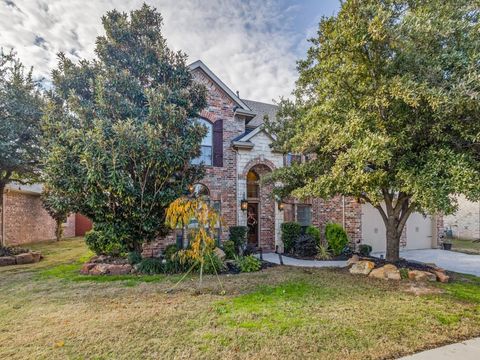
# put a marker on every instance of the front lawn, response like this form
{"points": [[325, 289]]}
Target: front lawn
{"points": [[49, 311], [466, 246]]}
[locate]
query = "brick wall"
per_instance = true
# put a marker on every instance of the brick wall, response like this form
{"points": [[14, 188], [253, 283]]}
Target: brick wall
{"points": [[26, 221], [465, 223]]}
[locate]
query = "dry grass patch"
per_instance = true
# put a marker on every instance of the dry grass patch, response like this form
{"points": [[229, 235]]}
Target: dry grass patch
{"points": [[281, 312]]}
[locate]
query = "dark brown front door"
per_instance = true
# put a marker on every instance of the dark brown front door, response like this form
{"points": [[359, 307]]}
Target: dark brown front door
{"points": [[252, 223]]}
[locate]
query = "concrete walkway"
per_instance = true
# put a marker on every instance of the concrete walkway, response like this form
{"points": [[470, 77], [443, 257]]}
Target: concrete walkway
{"points": [[273, 258], [466, 350], [449, 260]]}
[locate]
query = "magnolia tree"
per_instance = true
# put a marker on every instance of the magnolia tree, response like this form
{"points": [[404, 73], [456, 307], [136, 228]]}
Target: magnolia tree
{"points": [[20, 113], [119, 134], [387, 108]]}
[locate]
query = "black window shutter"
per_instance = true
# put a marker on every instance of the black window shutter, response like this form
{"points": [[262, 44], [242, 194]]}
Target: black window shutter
{"points": [[218, 143]]}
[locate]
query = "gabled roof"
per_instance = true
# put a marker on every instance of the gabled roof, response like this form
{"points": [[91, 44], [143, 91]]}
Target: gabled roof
{"points": [[199, 64], [261, 110]]}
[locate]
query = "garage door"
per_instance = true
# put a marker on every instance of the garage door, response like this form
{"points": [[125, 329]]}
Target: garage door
{"points": [[419, 230]]}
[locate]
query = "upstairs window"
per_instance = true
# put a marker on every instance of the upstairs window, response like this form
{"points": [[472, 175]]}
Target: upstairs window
{"points": [[291, 159], [252, 185], [206, 150]]}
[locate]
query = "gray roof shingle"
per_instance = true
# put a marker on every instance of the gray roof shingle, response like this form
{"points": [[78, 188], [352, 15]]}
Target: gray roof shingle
{"points": [[261, 109]]}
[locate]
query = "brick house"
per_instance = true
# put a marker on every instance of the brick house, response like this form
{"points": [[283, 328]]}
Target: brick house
{"points": [[237, 154]]}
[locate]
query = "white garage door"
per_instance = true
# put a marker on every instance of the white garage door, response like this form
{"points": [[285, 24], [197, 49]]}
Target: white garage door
{"points": [[419, 230]]}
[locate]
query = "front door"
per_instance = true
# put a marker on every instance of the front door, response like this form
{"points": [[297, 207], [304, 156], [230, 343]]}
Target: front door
{"points": [[252, 223]]}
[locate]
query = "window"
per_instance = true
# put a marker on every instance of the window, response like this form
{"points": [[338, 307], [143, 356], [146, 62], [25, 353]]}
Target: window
{"points": [[291, 159], [206, 150], [304, 215], [252, 185]]}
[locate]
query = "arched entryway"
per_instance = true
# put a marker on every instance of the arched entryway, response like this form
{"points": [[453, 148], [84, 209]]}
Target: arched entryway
{"points": [[261, 209]]}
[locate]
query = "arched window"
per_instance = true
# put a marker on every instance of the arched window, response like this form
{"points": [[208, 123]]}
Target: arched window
{"points": [[252, 184], [206, 151], [200, 190]]}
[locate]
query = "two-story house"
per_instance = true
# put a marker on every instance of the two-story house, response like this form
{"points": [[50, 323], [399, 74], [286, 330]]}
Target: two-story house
{"points": [[237, 153]]}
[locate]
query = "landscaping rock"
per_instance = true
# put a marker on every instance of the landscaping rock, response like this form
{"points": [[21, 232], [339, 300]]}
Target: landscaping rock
{"points": [[391, 272], [119, 269], [7, 260], [378, 273], [220, 253], [441, 276], [99, 269], [26, 258], [418, 275], [362, 267], [353, 260], [37, 256], [85, 270]]}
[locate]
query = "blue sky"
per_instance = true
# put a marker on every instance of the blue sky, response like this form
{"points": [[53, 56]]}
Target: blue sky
{"points": [[252, 45]]}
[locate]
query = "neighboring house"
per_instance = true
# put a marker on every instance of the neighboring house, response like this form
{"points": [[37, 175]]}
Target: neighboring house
{"points": [[465, 223], [24, 220], [237, 153]]}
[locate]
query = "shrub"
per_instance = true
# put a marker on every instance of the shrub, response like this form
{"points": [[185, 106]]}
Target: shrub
{"points": [[290, 232], [336, 237], [12, 251], [212, 264], [364, 249], [169, 251], [248, 263], [403, 273], [134, 257], [238, 234], [229, 249], [314, 232], [323, 253], [150, 266], [103, 240], [305, 245]]}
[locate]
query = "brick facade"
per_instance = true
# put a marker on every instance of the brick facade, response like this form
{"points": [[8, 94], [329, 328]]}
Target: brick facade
{"points": [[26, 221]]}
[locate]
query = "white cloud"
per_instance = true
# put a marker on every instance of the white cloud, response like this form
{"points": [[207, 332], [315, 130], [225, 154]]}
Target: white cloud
{"points": [[250, 45]]}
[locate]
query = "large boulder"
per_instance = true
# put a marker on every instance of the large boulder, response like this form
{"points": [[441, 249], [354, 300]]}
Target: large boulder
{"points": [[7, 260], [37, 256], [353, 260], [119, 269], [418, 275], [85, 270], [99, 269], [441, 276], [362, 267], [25, 258], [387, 272]]}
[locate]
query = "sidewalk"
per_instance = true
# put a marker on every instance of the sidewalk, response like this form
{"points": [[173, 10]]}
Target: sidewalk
{"points": [[274, 258], [465, 350]]}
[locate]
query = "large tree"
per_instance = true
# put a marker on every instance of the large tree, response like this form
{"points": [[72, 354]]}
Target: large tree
{"points": [[119, 131], [20, 113], [387, 106]]}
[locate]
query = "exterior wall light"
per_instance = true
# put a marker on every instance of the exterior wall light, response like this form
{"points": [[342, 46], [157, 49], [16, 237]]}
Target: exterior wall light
{"points": [[281, 205], [244, 205]]}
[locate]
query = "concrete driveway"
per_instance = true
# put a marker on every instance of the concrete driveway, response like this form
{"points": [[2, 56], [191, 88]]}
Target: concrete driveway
{"points": [[449, 260]]}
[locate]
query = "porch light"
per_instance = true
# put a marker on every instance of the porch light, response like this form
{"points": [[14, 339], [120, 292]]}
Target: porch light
{"points": [[281, 205], [244, 205]]}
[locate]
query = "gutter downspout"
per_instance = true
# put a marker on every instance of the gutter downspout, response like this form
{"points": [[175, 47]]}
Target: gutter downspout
{"points": [[343, 211]]}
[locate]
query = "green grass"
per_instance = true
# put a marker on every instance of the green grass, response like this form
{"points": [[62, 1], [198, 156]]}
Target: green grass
{"points": [[466, 246], [48, 310]]}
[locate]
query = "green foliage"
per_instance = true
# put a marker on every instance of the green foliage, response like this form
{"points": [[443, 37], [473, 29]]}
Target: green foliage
{"points": [[134, 257], [248, 263], [238, 234], [170, 251], [323, 253], [364, 249], [314, 232], [20, 113], [229, 249], [403, 273], [119, 131], [150, 266], [103, 240], [212, 265], [336, 237], [386, 105], [305, 246], [290, 232]]}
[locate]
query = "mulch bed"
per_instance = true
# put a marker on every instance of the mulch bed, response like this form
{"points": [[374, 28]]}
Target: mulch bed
{"points": [[333, 258]]}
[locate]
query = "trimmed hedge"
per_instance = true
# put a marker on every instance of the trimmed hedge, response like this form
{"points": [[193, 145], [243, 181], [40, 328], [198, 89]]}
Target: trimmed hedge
{"points": [[238, 234], [336, 238], [290, 233]]}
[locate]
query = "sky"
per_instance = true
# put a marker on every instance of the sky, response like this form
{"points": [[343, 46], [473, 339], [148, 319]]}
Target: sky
{"points": [[251, 45]]}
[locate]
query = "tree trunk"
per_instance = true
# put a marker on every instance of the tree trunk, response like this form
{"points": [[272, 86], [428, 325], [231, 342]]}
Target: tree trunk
{"points": [[59, 229], [2, 189], [393, 240]]}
